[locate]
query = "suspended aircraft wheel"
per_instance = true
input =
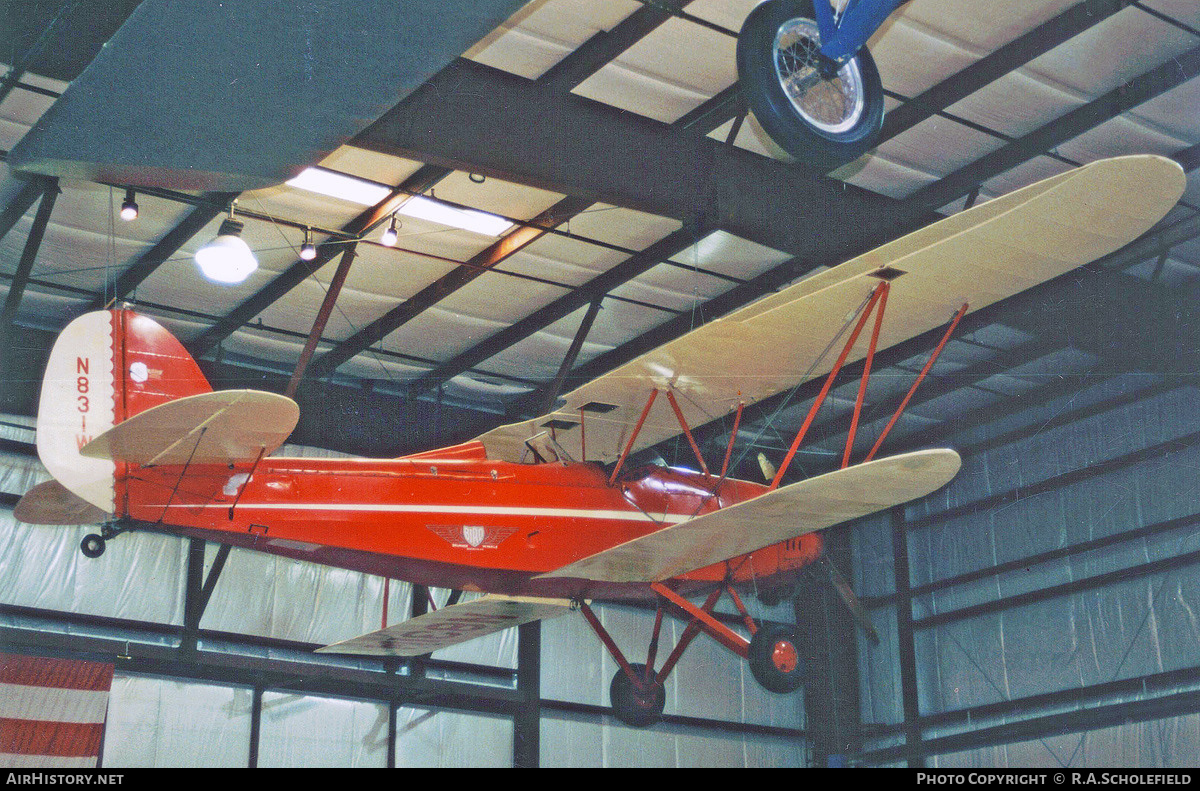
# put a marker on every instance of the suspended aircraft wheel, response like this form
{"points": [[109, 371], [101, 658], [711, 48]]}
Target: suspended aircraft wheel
{"points": [[92, 545], [816, 111], [632, 706], [775, 658]]}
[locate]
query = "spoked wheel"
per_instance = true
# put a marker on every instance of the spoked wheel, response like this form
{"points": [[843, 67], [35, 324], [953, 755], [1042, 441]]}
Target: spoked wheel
{"points": [[631, 705], [92, 545], [815, 111], [775, 658]]}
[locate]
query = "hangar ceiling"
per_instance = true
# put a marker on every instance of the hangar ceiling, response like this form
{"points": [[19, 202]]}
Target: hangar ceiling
{"points": [[609, 136]]}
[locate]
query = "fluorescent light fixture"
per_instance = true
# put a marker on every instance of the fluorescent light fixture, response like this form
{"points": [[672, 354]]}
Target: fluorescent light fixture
{"points": [[444, 214], [338, 185], [227, 259], [366, 193]]}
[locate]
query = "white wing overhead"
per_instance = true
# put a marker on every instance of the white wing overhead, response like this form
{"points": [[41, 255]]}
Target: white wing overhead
{"points": [[978, 257]]}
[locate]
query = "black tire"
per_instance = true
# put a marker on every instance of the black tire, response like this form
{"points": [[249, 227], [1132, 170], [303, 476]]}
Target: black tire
{"points": [[92, 545], [775, 659], [819, 133], [632, 707]]}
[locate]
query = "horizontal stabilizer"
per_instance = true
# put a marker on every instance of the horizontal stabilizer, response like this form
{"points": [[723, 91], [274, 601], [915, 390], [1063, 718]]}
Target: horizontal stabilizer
{"points": [[51, 503], [210, 428], [787, 512], [451, 625]]}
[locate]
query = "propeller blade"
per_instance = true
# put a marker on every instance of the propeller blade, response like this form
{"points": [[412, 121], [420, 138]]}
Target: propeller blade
{"points": [[850, 599], [768, 469]]}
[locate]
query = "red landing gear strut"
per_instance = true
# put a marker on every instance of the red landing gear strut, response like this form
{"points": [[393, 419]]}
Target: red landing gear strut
{"points": [[637, 690]]}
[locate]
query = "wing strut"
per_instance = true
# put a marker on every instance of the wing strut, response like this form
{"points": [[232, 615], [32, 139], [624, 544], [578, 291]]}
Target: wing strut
{"points": [[880, 290], [632, 437], [687, 432], [929, 364], [866, 374]]}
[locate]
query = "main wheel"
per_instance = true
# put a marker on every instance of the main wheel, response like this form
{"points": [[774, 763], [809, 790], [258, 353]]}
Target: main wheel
{"points": [[775, 658], [92, 545], [632, 706], [815, 111]]}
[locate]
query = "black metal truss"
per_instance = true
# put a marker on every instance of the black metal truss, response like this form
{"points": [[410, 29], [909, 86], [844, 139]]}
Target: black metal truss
{"points": [[445, 285], [33, 243], [16, 208], [1139, 90], [991, 67], [516, 129]]}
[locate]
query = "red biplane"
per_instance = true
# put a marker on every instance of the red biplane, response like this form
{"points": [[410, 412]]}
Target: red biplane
{"points": [[544, 515]]}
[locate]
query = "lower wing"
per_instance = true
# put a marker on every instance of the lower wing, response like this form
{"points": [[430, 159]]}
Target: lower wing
{"points": [[787, 512], [451, 625]]}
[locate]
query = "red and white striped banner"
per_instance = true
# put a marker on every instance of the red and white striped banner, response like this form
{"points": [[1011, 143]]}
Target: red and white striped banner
{"points": [[52, 711]]}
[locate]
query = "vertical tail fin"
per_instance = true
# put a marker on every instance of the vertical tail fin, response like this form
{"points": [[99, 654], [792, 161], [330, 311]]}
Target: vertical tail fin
{"points": [[104, 368]]}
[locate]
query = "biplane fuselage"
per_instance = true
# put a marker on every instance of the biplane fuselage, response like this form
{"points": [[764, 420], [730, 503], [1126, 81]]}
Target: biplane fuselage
{"points": [[450, 517]]}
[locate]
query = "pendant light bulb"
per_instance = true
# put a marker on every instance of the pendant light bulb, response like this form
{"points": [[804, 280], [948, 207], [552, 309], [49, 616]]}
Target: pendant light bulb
{"points": [[389, 236], [227, 259], [308, 251], [129, 207]]}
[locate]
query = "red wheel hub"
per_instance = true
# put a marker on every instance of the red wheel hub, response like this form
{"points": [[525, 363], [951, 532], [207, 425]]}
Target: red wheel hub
{"points": [[784, 655]]}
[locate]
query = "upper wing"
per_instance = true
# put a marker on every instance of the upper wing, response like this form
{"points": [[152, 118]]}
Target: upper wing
{"points": [[221, 427], [977, 257], [451, 625], [784, 513]]}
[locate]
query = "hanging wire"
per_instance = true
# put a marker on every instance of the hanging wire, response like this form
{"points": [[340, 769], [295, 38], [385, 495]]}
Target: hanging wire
{"points": [[804, 378]]}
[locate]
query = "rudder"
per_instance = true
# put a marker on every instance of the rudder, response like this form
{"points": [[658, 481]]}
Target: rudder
{"points": [[105, 367]]}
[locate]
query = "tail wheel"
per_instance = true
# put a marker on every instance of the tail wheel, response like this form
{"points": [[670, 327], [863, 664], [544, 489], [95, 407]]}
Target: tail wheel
{"points": [[816, 111], [775, 658], [633, 706], [92, 545]]}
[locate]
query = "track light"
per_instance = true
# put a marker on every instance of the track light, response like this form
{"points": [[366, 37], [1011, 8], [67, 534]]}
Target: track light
{"points": [[227, 259], [308, 251], [389, 236], [129, 208]]}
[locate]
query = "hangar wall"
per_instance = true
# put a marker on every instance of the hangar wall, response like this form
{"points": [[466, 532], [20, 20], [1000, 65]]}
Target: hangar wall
{"points": [[1051, 608], [177, 713]]}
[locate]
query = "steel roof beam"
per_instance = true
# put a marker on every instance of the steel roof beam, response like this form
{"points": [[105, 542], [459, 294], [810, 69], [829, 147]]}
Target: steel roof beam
{"points": [[1143, 88], [576, 67], [16, 208], [447, 284], [992, 67], [599, 50], [560, 308], [16, 288], [492, 122]]}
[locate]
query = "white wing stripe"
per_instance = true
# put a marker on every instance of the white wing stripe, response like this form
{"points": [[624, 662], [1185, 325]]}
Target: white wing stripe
{"points": [[580, 513]]}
